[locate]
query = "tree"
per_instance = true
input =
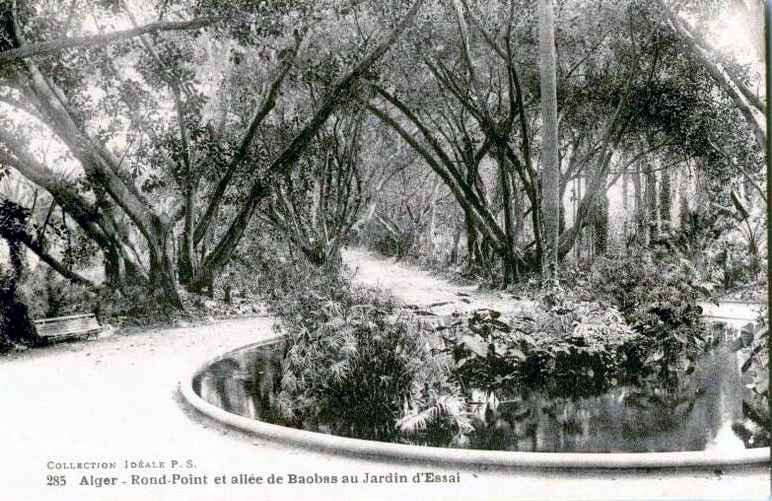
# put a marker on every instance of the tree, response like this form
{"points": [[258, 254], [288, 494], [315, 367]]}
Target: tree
{"points": [[730, 81], [550, 176], [316, 205], [478, 120], [121, 209], [15, 322]]}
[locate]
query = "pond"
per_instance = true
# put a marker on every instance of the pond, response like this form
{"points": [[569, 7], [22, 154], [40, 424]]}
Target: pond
{"points": [[699, 415]]}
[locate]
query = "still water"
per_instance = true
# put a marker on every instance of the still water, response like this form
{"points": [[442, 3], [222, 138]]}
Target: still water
{"points": [[699, 416]]}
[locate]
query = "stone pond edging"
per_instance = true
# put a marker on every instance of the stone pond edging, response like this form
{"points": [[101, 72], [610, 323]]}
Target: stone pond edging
{"points": [[402, 453]]}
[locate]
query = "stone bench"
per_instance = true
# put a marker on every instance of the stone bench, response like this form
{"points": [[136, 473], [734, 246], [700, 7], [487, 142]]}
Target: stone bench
{"points": [[70, 327]]}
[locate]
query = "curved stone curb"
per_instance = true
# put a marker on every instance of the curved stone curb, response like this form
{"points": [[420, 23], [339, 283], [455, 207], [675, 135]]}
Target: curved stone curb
{"points": [[460, 457]]}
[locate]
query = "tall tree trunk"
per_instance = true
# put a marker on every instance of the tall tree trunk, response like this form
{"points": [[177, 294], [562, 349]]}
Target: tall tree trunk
{"points": [[577, 201], [187, 260], [639, 223], [471, 232], [600, 225], [683, 199], [626, 203], [550, 162], [651, 204], [665, 201], [162, 280], [508, 258], [114, 269], [517, 212]]}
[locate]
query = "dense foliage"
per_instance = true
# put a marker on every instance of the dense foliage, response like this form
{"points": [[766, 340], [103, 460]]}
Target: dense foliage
{"points": [[605, 159], [563, 348], [757, 429], [659, 297], [356, 366], [16, 327]]}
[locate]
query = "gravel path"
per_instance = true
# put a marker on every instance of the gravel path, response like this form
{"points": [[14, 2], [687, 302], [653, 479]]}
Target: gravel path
{"points": [[116, 399], [411, 285]]}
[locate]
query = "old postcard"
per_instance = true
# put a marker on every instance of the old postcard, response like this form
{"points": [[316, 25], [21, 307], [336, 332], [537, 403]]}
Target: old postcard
{"points": [[383, 249]]}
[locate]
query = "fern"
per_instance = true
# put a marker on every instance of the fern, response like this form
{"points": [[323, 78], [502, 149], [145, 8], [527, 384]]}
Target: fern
{"points": [[446, 414]]}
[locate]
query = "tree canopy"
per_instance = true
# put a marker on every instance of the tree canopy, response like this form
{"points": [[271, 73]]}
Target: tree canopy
{"points": [[186, 128]]}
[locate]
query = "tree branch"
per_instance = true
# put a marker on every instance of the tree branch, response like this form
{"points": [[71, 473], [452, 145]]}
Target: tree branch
{"points": [[262, 111], [48, 259], [339, 91], [54, 46], [750, 106]]}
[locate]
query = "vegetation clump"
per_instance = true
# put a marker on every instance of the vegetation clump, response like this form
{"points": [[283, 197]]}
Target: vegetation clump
{"points": [[356, 366], [180, 169], [562, 348], [16, 326], [756, 430], [659, 299]]}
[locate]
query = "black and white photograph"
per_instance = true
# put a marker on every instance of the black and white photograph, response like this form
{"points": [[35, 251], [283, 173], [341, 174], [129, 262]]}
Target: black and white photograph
{"points": [[384, 249]]}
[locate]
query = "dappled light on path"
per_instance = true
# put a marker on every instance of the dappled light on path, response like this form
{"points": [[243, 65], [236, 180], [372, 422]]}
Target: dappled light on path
{"points": [[413, 286]]}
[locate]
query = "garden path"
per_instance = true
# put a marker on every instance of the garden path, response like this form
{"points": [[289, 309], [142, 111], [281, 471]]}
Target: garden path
{"points": [[412, 285]]}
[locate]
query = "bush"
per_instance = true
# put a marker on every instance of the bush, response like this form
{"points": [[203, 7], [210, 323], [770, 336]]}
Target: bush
{"points": [[353, 374], [659, 299], [564, 348], [16, 325], [731, 265], [356, 367], [756, 429]]}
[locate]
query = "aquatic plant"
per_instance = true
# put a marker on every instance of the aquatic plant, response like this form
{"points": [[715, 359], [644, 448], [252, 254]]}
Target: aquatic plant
{"points": [[659, 297], [562, 348], [756, 429], [357, 367]]}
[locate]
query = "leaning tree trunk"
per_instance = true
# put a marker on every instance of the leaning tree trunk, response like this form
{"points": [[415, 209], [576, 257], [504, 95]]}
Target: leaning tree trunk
{"points": [[744, 98], [551, 168], [262, 186], [101, 166], [472, 252]]}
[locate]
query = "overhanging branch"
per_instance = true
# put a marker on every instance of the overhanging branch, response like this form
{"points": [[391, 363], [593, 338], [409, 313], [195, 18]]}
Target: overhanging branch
{"points": [[54, 46]]}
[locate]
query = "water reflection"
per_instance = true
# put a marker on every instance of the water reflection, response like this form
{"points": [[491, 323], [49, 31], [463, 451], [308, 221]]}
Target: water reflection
{"points": [[697, 415], [245, 383]]}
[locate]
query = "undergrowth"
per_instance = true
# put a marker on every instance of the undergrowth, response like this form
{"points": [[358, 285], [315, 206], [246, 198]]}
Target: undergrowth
{"points": [[356, 365]]}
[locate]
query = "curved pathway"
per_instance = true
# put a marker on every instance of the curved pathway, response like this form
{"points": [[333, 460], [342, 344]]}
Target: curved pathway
{"points": [[411, 285], [116, 399]]}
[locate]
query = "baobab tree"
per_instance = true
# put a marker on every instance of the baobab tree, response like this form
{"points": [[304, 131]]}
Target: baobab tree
{"points": [[134, 218]]}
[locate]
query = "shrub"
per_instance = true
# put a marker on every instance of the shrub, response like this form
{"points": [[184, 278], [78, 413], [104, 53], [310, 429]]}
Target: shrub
{"points": [[731, 265], [659, 299], [16, 325], [356, 375], [756, 429], [355, 366], [564, 348]]}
